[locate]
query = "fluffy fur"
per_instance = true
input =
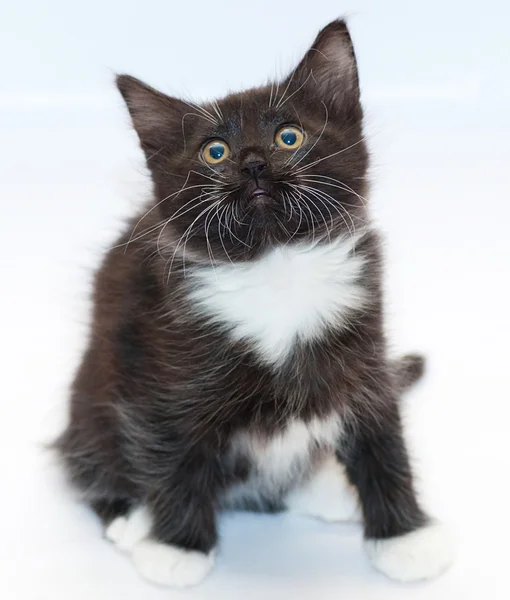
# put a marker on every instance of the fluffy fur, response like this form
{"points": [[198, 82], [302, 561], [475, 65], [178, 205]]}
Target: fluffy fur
{"points": [[237, 355]]}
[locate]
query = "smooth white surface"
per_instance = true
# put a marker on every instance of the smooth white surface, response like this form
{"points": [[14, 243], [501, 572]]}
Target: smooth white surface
{"points": [[437, 91]]}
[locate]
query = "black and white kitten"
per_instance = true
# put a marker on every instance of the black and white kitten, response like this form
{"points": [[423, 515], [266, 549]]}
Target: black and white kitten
{"points": [[237, 357]]}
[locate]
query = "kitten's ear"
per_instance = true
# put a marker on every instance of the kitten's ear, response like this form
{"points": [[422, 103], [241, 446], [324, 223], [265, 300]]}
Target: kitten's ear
{"points": [[157, 118], [328, 70]]}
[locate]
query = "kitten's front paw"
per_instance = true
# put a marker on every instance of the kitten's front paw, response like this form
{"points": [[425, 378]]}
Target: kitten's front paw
{"points": [[421, 554], [170, 565], [126, 531]]}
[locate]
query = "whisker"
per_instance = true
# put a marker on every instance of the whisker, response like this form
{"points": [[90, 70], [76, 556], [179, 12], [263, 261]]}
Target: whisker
{"points": [[221, 183], [205, 113], [219, 231], [217, 109], [316, 141], [295, 196], [280, 104], [208, 198], [317, 197], [316, 162], [209, 247], [336, 205], [271, 94], [343, 186], [185, 236], [276, 91], [183, 189]]}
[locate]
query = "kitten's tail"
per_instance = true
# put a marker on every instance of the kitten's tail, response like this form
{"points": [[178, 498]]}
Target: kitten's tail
{"points": [[408, 369]]}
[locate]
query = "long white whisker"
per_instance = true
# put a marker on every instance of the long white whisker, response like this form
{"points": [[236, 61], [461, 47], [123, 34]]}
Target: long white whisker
{"points": [[221, 183], [334, 204], [219, 230], [317, 197], [280, 104], [316, 162], [186, 235], [208, 198], [342, 186], [205, 113], [217, 109], [209, 247], [317, 140]]}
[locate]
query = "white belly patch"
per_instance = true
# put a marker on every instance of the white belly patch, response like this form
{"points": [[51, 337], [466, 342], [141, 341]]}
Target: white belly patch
{"points": [[279, 462], [293, 292]]}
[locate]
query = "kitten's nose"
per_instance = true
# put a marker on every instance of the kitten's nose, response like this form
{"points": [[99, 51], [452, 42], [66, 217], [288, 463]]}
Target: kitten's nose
{"points": [[254, 168]]}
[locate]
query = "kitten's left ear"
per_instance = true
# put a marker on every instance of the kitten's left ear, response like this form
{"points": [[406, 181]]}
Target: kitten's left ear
{"points": [[328, 70]]}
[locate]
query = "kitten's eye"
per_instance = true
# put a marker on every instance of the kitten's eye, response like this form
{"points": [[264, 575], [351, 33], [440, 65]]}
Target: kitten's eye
{"points": [[289, 138], [215, 152]]}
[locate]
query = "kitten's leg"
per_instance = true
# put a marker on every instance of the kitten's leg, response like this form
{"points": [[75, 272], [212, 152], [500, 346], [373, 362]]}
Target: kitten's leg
{"points": [[399, 538], [125, 531], [109, 510], [326, 495], [180, 548], [124, 525]]}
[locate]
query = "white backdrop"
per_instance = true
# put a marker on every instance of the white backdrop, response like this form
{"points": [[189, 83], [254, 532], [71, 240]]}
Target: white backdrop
{"points": [[435, 79]]}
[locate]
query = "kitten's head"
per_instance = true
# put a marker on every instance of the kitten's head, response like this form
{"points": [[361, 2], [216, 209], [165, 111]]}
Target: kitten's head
{"points": [[277, 164]]}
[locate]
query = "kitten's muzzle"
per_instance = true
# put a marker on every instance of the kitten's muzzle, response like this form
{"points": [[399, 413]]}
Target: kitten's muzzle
{"points": [[257, 189]]}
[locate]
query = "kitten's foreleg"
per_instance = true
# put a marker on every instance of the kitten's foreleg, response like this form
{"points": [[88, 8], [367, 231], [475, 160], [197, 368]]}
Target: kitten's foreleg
{"points": [[400, 539], [172, 536]]}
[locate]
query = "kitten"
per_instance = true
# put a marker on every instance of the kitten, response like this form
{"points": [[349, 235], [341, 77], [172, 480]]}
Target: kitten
{"points": [[237, 357]]}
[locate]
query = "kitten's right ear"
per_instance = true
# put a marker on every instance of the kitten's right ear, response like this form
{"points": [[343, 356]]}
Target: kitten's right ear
{"points": [[156, 117]]}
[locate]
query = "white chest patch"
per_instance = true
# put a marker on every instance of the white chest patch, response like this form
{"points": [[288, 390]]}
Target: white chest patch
{"points": [[293, 292]]}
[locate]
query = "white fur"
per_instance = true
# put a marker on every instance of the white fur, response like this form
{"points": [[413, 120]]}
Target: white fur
{"points": [[293, 292], [157, 562], [326, 495], [282, 458], [421, 554], [126, 532], [170, 565], [275, 455]]}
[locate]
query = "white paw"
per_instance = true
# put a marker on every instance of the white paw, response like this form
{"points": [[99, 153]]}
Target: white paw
{"points": [[328, 495], [421, 554], [170, 565], [126, 532], [115, 529]]}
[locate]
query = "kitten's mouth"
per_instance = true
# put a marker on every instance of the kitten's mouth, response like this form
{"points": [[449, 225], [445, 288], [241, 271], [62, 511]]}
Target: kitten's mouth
{"points": [[259, 193]]}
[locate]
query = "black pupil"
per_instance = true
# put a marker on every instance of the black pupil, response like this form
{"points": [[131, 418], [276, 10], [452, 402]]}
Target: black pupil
{"points": [[217, 151], [288, 137]]}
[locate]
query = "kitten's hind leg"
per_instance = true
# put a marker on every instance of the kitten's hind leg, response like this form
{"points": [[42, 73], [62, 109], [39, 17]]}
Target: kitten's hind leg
{"points": [[326, 495]]}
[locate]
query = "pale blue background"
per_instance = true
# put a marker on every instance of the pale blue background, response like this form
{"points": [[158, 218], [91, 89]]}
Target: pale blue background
{"points": [[435, 78]]}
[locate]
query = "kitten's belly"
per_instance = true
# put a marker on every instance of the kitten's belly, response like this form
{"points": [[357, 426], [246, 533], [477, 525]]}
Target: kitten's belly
{"points": [[278, 463]]}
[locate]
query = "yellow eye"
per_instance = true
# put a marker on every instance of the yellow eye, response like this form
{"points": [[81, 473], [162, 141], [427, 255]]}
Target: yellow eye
{"points": [[215, 152], [289, 138]]}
